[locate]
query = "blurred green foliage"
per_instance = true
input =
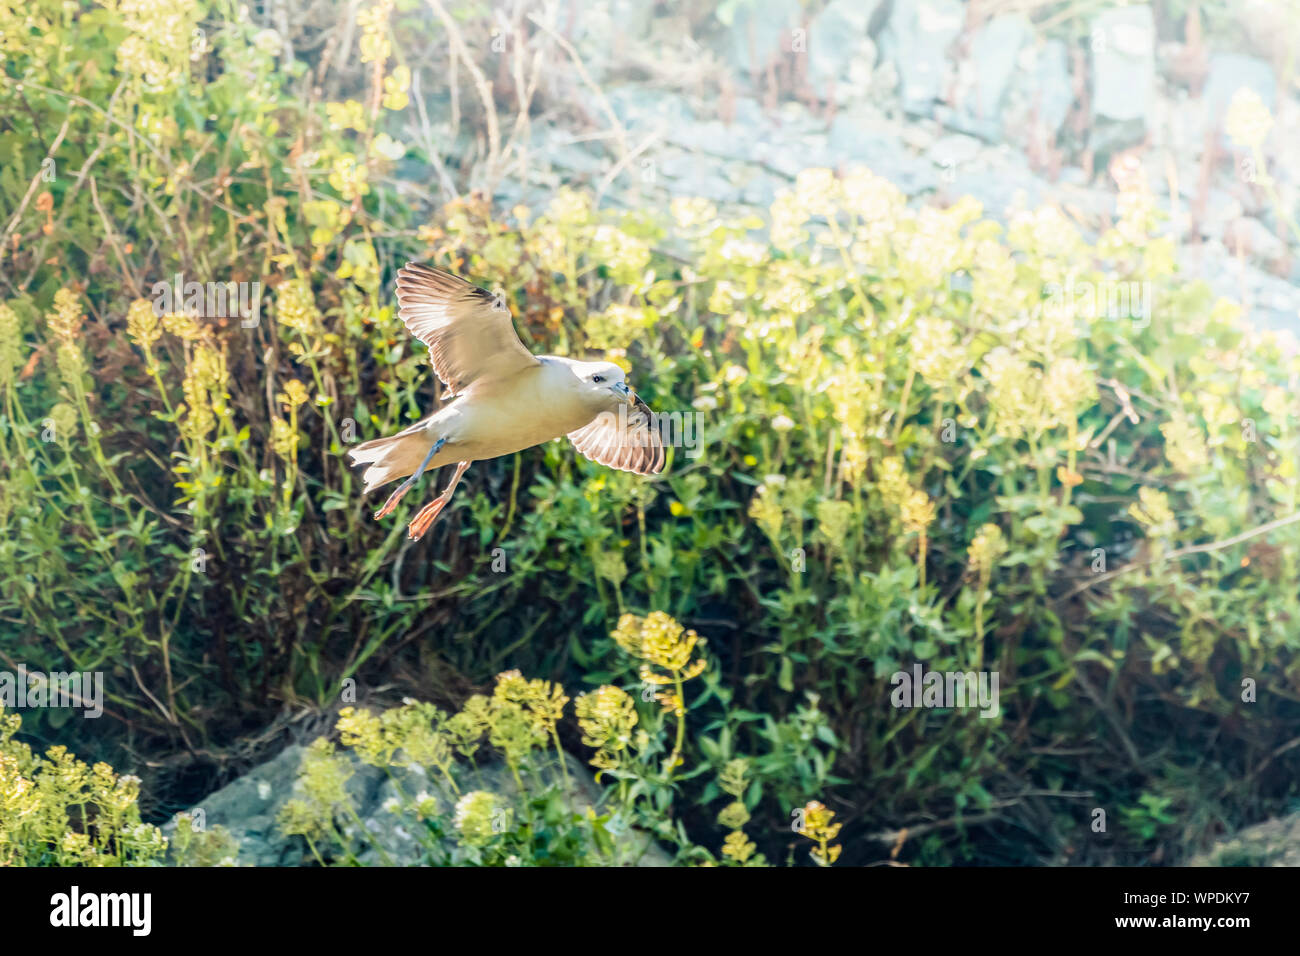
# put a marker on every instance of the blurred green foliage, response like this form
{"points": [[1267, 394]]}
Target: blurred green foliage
{"points": [[928, 438]]}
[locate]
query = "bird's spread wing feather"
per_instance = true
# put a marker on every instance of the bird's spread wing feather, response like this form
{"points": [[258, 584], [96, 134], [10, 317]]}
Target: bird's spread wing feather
{"points": [[468, 338], [631, 443]]}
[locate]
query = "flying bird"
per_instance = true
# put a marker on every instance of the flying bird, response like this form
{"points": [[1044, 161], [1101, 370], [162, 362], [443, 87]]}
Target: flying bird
{"points": [[505, 398]]}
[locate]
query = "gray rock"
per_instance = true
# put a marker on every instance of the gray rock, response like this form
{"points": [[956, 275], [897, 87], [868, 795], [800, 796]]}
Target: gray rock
{"points": [[575, 159], [747, 112], [1123, 75], [1038, 98], [761, 32], [640, 108], [1271, 302], [1052, 86], [1274, 842], [994, 51], [1073, 176], [1221, 208], [249, 806], [600, 32], [858, 139], [953, 149], [1000, 190], [713, 137], [1269, 27], [1255, 239], [837, 41], [917, 41], [1230, 72]]}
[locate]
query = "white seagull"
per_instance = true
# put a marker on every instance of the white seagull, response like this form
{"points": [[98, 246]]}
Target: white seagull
{"points": [[505, 398]]}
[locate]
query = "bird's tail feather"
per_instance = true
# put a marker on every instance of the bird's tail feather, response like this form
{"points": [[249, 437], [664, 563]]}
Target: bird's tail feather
{"points": [[390, 458]]}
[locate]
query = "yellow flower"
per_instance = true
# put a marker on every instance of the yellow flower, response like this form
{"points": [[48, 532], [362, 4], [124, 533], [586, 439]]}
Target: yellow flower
{"points": [[157, 49], [142, 324], [209, 367], [787, 290], [661, 640], [63, 419], [833, 519], [788, 218], [373, 20], [722, 300], [395, 88], [363, 732], [480, 816], [349, 178], [468, 726], [1152, 509], [616, 327], [737, 846], [733, 815], [204, 390], [541, 700], [296, 308], [817, 826], [1247, 121], [892, 482], [569, 207], [1068, 389], [874, 200], [607, 717], [1014, 389], [349, 114], [71, 363], [818, 191], [690, 213], [734, 778], [936, 355], [626, 257], [1185, 445], [182, 326], [987, 546], [11, 337], [284, 439], [610, 565], [66, 318], [514, 730], [294, 394], [917, 512], [322, 786], [765, 508], [1276, 402]]}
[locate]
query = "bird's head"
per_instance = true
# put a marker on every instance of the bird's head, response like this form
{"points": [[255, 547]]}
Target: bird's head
{"points": [[603, 385]]}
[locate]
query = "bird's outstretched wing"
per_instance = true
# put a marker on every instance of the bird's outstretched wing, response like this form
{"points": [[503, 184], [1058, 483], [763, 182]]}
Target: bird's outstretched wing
{"points": [[629, 441], [468, 332]]}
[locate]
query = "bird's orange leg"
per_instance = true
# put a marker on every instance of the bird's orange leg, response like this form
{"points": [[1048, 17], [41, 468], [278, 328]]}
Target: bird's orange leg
{"points": [[392, 501], [409, 483], [427, 515]]}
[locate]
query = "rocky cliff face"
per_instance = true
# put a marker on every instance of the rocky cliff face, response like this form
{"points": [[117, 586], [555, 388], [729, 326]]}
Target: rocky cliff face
{"points": [[944, 99]]}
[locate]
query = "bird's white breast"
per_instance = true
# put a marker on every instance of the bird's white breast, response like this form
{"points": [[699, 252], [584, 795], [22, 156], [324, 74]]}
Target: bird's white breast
{"points": [[495, 418]]}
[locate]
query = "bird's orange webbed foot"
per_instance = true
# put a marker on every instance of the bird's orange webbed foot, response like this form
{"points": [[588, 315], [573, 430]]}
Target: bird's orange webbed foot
{"points": [[425, 518], [427, 515], [392, 501]]}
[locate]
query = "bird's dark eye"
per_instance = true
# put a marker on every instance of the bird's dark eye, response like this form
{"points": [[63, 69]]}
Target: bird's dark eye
{"points": [[598, 378]]}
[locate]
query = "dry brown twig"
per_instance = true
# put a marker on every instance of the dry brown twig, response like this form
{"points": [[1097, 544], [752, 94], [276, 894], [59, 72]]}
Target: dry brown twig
{"points": [[481, 86]]}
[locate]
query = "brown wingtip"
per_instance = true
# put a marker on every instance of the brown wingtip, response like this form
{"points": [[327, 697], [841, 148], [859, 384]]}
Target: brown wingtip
{"points": [[415, 280]]}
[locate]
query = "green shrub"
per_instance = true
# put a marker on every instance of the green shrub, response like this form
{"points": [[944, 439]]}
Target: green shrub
{"points": [[923, 443], [58, 811]]}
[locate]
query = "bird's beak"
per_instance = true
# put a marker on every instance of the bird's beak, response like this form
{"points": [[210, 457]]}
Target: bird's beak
{"points": [[623, 392]]}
